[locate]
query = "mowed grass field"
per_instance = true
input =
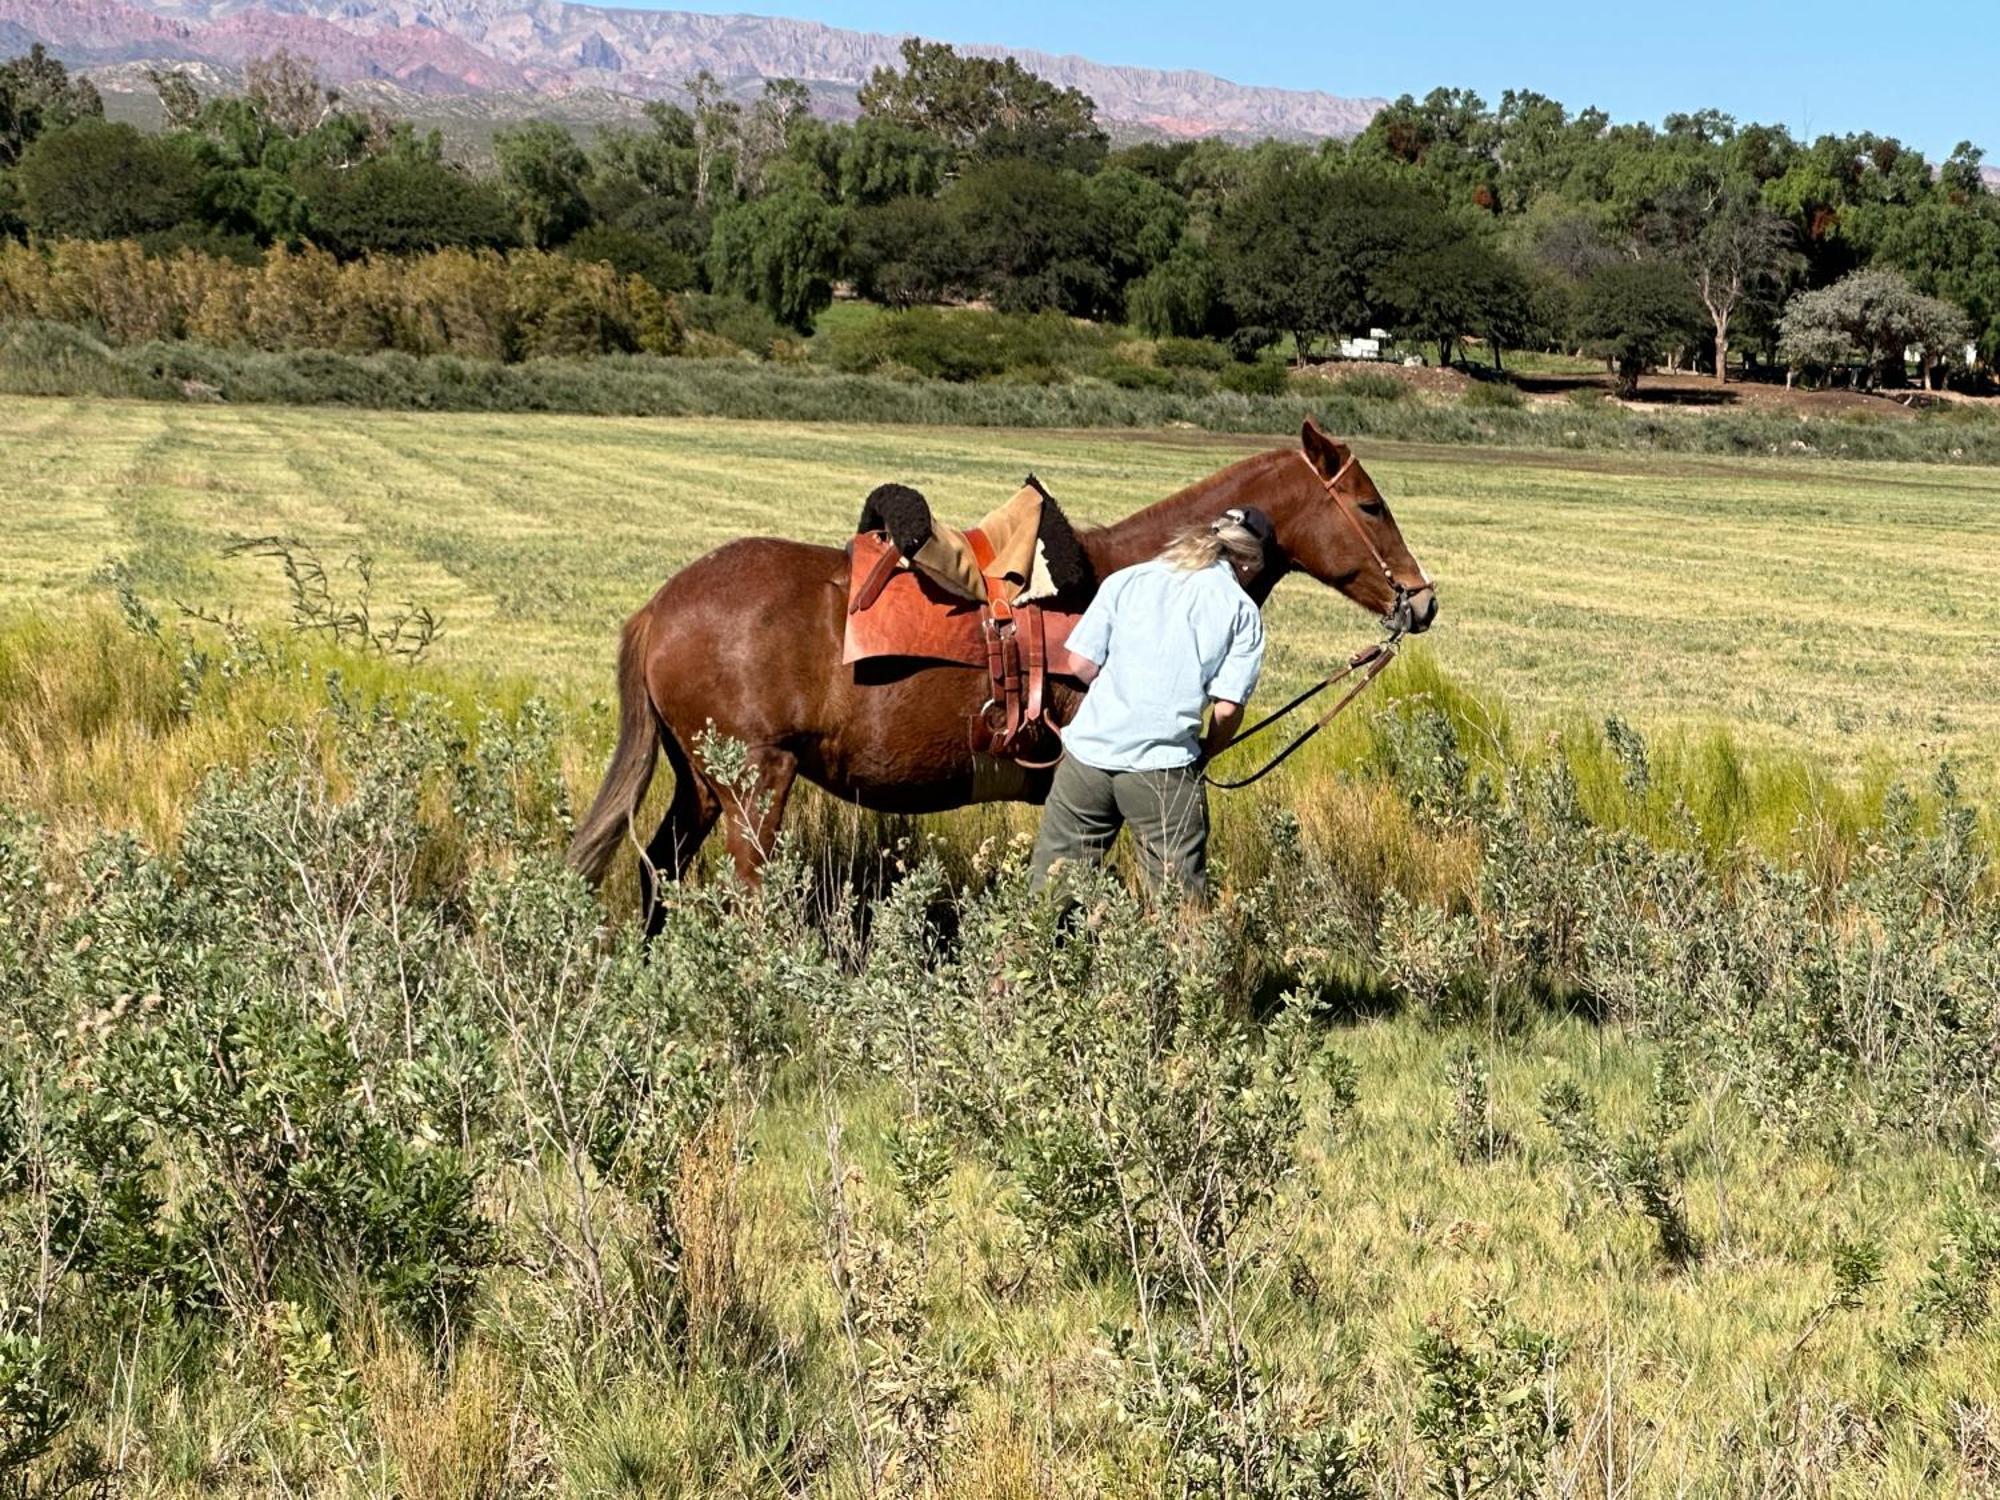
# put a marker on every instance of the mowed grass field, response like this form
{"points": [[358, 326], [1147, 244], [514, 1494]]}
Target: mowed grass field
{"points": [[1851, 612]]}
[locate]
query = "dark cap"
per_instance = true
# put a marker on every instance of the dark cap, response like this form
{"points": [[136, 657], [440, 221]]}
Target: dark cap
{"points": [[1250, 519]]}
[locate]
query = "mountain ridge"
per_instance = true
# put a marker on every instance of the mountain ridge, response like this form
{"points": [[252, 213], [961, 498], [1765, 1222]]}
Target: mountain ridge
{"points": [[554, 47]]}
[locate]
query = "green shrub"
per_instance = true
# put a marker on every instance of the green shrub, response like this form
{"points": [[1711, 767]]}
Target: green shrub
{"points": [[743, 324], [481, 304], [37, 358], [1492, 395], [960, 346], [1190, 354], [938, 345], [1264, 378], [1491, 1414], [1131, 377], [288, 1098], [631, 252], [1249, 341], [1373, 385]]}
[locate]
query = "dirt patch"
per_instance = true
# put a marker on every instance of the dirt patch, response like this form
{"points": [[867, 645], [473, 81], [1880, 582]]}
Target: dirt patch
{"points": [[1698, 393], [1425, 378]]}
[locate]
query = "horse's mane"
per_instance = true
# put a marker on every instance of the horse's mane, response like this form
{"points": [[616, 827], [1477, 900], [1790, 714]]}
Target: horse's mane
{"points": [[1187, 492]]}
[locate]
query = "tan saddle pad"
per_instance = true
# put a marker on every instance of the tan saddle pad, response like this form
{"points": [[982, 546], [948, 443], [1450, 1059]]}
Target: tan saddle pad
{"points": [[1007, 539]]}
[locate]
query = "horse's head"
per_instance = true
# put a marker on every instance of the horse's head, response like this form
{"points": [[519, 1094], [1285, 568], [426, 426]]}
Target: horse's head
{"points": [[1333, 524]]}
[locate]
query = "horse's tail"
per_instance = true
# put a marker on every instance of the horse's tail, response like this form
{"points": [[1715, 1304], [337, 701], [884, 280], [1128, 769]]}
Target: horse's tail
{"points": [[631, 770]]}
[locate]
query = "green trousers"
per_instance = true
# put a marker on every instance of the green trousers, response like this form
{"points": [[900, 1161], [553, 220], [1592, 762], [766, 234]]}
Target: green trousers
{"points": [[1168, 811]]}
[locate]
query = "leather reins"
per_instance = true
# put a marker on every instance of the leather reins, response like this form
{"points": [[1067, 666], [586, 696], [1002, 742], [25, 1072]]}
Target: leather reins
{"points": [[1369, 661]]}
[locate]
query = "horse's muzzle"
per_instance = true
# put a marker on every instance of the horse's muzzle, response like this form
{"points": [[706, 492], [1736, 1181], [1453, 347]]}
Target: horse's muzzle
{"points": [[1414, 612]]}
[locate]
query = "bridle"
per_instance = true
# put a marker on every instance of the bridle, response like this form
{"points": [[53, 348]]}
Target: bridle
{"points": [[1399, 612], [1369, 662]]}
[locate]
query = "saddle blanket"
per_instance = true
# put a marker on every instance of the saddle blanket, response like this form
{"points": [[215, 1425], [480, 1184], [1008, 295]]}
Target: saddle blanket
{"points": [[914, 616]]}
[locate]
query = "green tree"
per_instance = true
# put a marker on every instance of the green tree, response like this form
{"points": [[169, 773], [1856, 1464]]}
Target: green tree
{"points": [[1939, 332], [286, 89], [180, 100], [985, 107], [716, 126], [1453, 288], [1949, 247], [1962, 178], [905, 251], [883, 159], [1140, 218], [767, 129], [1162, 161], [37, 94], [98, 181], [1312, 251], [1032, 238], [544, 174], [402, 204], [1735, 250], [642, 182], [1450, 139], [780, 251], [1533, 147], [629, 165], [1179, 296], [1274, 247], [1865, 323], [1634, 313], [632, 252], [1566, 240]]}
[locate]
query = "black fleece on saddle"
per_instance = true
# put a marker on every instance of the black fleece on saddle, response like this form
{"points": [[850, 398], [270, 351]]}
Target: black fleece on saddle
{"points": [[900, 512]]}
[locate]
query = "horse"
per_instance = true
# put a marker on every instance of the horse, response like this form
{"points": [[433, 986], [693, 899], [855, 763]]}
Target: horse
{"points": [[742, 647]]}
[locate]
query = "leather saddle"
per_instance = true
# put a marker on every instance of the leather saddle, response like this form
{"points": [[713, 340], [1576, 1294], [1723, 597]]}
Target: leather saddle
{"points": [[1002, 595]]}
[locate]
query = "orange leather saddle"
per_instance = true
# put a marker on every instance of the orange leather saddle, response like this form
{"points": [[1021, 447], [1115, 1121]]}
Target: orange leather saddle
{"points": [[901, 612]]}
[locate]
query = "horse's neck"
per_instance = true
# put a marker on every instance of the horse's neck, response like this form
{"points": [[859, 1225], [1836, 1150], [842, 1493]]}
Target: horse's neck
{"points": [[1146, 533]]}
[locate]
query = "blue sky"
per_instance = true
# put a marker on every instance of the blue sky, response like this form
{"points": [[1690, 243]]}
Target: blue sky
{"points": [[1928, 72]]}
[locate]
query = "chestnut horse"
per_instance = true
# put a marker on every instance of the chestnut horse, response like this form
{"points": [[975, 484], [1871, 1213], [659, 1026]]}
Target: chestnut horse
{"points": [[749, 639]]}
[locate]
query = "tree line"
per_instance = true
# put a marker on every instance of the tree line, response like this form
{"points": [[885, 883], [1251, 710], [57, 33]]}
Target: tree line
{"points": [[1698, 241]]}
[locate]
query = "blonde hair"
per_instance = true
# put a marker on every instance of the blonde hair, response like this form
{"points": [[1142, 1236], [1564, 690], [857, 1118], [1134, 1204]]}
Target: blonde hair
{"points": [[1203, 546]]}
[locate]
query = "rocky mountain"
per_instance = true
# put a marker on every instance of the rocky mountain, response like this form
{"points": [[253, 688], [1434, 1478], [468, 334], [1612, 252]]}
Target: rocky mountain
{"points": [[554, 48]]}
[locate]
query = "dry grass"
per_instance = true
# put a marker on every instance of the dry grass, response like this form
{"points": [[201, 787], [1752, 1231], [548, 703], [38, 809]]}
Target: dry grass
{"points": [[461, 1434]]}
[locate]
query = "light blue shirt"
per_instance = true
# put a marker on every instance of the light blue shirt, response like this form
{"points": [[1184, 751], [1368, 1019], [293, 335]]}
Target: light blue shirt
{"points": [[1166, 643]]}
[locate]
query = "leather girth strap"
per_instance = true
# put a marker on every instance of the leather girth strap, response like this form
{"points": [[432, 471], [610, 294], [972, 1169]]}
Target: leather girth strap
{"points": [[1015, 717]]}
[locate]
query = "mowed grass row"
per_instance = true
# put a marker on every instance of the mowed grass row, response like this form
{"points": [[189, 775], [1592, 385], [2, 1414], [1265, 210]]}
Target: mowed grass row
{"points": [[1851, 612]]}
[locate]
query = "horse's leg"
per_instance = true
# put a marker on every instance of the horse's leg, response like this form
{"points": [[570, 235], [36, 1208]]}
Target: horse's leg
{"points": [[754, 814], [690, 816]]}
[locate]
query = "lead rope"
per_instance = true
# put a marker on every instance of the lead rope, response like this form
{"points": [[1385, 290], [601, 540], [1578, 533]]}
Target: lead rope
{"points": [[1369, 661]]}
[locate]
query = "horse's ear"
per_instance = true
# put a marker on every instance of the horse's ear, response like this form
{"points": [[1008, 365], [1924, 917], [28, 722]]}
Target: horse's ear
{"points": [[1325, 454]]}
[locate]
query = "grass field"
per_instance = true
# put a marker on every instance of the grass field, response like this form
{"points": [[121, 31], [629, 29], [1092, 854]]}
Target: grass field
{"points": [[941, 1204], [1846, 611]]}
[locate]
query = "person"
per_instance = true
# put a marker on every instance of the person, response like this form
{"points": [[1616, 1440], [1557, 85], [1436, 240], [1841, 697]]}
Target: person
{"points": [[1160, 641]]}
